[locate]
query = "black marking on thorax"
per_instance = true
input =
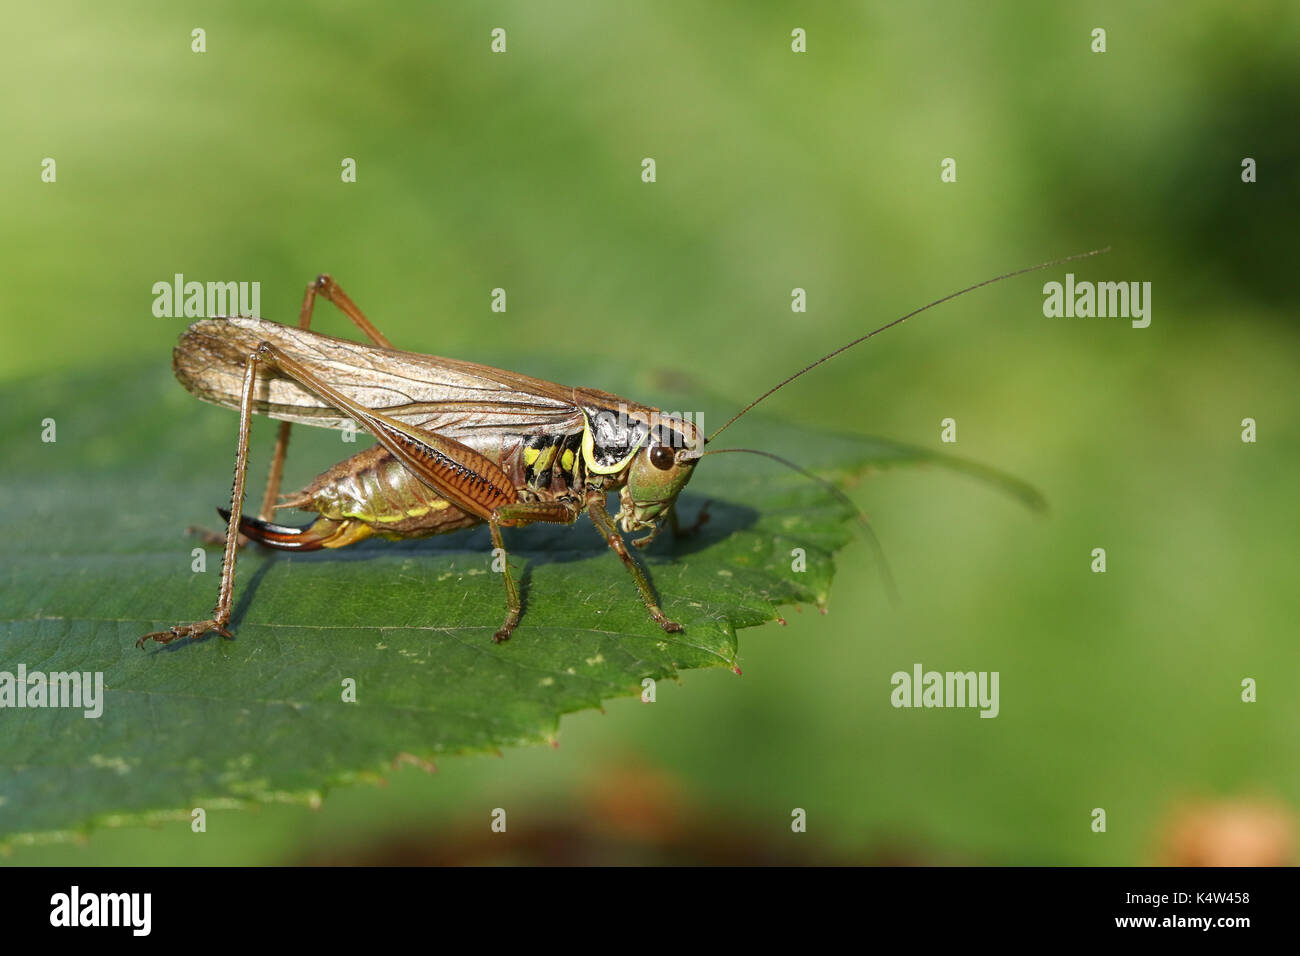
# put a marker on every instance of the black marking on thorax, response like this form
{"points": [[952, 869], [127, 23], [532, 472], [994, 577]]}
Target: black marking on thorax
{"points": [[614, 435], [552, 461]]}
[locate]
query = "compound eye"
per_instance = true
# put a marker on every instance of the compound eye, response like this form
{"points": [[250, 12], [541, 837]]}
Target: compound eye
{"points": [[662, 457]]}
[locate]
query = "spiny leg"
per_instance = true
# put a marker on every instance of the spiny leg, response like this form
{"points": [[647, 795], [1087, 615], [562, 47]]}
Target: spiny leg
{"points": [[557, 512], [221, 613], [605, 525], [514, 607]]}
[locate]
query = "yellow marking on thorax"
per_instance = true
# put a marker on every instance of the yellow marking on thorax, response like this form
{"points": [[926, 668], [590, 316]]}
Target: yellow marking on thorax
{"points": [[547, 456]]}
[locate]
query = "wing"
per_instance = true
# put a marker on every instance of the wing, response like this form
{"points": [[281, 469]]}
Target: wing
{"points": [[455, 398]]}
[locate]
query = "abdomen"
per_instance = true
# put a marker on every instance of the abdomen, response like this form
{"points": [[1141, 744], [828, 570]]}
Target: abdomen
{"points": [[368, 494]]}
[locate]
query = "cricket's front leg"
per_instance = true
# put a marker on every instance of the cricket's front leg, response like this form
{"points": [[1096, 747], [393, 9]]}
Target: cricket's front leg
{"points": [[221, 613], [605, 525], [679, 530]]}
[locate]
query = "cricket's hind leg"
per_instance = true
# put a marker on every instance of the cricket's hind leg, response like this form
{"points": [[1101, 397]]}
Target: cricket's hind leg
{"points": [[326, 286], [220, 619], [321, 285], [321, 533]]}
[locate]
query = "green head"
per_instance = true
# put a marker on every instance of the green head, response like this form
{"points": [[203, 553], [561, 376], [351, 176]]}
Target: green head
{"points": [[658, 472]]}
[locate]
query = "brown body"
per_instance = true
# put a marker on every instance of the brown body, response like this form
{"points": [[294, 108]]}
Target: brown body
{"points": [[459, 444], [496, 418]]}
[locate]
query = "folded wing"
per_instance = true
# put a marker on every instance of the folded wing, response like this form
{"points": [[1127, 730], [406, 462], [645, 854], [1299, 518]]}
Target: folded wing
{"points": [[449, 396]]}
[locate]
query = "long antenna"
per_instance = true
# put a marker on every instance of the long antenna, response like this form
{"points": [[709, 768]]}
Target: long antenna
{"points": [[844, 348]]}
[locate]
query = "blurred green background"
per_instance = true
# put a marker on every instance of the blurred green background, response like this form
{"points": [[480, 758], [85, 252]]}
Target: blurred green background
{"points": [[775, 170]]}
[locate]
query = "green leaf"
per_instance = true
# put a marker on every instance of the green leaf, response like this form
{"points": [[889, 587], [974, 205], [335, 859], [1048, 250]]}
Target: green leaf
{"points": [[94, 555]]}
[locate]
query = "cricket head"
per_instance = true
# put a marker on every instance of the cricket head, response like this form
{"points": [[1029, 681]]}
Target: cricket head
{"points": [[658, 473]]}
